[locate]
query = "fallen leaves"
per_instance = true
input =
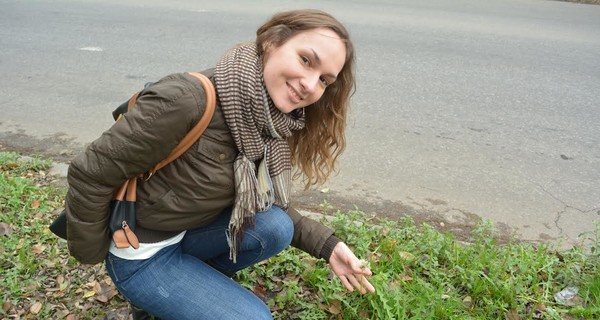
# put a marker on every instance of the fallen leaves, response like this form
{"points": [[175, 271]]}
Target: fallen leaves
{"points": [[59, 285], [16, 311], [11, 165], [35, 204], [35, 308], [102, 291], [6, 305], [88, 294], [406, 256], [335, 307], [5, 229], [38, 248]]}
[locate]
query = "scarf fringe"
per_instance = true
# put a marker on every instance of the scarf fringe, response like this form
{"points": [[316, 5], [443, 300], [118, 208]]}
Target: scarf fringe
{"points": [[281, 183], [245, 203], [264, 191]]}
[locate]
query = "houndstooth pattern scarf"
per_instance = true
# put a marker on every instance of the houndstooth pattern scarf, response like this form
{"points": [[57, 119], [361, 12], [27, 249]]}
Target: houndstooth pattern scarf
{"points": [[259, 130]]}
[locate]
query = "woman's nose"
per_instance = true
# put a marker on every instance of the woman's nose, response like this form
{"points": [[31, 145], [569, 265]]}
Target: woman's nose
{"points": [[309, 83]]}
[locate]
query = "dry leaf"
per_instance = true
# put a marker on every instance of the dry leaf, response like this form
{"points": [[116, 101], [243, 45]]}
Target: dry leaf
{"points": [[404, 277], [540, 307], [70, 317], [6, 305], [406, 256], [335, 307], [97, 286], [375, 257], [64, 285], [512, 315], [260, 292], [89, 294], [385, 232], [104, 291], [35, 204], [5, 229], [36, 308], [38, 248], [19, 313]]}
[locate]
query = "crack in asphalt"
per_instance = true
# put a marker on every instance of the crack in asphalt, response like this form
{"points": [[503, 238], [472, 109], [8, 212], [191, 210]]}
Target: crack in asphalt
{"points": [[559, 214], [557, 220]]}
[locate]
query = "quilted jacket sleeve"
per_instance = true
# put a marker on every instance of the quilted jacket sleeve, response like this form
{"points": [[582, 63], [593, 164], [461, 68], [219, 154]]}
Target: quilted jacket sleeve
{"points": [[162, 115]]}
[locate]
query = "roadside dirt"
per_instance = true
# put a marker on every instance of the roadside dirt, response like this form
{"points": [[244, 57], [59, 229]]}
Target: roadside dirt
{"points": [[59, 147], [458, 223]]}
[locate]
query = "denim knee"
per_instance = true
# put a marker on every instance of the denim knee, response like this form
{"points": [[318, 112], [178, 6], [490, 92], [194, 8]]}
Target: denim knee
{"points": [[276, 227]]}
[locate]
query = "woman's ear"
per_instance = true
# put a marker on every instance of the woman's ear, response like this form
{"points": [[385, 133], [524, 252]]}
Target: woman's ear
{"points": [[267, 46]]}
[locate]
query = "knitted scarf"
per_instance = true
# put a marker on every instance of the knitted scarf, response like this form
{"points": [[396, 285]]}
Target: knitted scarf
{"points": [[259, 130]]}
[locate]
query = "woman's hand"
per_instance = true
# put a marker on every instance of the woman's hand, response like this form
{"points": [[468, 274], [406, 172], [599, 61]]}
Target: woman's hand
{"points": [[350, 269]]}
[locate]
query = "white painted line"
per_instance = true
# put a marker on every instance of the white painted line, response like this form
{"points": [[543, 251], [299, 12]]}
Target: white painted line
{"points": [[96, 49]]}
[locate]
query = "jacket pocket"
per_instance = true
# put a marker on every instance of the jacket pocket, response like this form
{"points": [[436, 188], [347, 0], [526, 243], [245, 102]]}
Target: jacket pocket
{"points": [[211, 166], [216, 152]]}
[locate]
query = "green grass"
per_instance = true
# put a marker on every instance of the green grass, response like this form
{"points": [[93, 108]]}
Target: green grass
{"points": [[419, 273], [422, 274]]}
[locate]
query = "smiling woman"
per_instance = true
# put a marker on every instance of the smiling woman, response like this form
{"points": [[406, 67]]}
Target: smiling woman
{"points": [[224, 204]]}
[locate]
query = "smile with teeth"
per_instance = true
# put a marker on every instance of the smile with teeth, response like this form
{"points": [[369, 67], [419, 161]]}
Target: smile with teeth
{"points": [[294, 96]]}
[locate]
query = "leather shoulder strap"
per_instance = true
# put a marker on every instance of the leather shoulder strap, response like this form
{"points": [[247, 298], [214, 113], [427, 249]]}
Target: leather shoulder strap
{"points": [[198, 129]]}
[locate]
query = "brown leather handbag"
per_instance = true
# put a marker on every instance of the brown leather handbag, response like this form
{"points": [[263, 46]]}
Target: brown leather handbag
{"points": [[122, 208]]}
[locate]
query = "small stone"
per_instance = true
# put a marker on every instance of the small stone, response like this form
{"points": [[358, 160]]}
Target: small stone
{"points": [[59, 169]]}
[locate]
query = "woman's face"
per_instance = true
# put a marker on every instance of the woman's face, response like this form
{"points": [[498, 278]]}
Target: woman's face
{"points": [[297, 73]]}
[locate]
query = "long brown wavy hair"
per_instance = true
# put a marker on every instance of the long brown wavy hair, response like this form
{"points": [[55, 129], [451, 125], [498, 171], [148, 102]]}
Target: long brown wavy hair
{"points": [[315, 148]]}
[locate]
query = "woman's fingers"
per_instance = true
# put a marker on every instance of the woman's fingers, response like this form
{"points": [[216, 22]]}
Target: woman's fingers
{"points": [[355, 283], [358, 281], [346, 283], [367, 284]]}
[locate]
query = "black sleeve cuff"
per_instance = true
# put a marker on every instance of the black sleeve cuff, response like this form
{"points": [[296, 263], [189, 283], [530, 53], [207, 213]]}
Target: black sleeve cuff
{"points": [[327, 249]]}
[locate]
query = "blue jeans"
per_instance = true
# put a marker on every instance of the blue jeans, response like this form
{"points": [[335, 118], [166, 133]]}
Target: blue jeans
{"points": [[190, 280]]}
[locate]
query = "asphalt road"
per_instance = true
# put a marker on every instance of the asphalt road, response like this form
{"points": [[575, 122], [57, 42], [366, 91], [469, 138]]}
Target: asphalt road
{"points": [[465, 110]]}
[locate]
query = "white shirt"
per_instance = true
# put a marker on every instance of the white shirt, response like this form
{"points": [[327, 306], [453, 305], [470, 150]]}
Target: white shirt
{"points": [[146, 250]]}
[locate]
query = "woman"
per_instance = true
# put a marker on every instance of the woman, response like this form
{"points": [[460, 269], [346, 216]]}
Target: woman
{"points": [[223, 205]]}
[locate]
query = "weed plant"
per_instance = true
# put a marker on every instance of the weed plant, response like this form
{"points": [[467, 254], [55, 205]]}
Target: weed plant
{"points": [[419, 273]]}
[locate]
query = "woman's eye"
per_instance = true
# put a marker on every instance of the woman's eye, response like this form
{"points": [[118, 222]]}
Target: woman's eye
{"points": [[324, 81], [305, 60]]}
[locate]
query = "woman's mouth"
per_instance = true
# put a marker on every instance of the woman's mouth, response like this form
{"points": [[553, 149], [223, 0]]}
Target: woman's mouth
{"points": [[293, 94]]}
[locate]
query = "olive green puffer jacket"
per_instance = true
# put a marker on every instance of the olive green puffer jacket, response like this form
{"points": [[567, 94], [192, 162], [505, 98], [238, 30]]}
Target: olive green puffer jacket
{"points": [[188, 193]]}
